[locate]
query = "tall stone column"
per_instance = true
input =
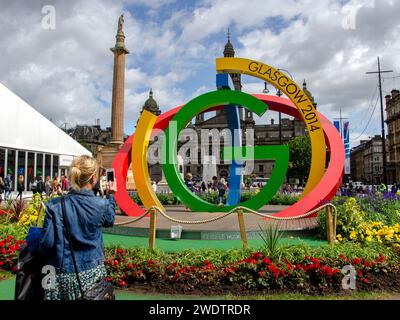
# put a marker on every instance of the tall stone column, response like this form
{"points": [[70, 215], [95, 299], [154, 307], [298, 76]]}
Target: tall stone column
{"points": [[117, 115]]}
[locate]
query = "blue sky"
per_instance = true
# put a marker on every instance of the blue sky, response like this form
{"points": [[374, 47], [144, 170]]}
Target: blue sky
{"points": [[66, 73]]}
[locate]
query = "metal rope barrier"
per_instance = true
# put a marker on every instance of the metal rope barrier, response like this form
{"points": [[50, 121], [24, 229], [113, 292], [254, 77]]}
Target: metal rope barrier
{"points": [[244, 209], [136, 219]]}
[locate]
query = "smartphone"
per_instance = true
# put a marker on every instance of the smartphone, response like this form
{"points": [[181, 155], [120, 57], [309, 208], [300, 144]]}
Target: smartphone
{"points": [[110, 174]]}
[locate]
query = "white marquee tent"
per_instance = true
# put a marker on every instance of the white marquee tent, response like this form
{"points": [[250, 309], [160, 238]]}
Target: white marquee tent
{"points": [[23, 130]]}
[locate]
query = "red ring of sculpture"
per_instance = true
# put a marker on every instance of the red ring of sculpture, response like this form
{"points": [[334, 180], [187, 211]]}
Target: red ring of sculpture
{"points": [[322, 193]]}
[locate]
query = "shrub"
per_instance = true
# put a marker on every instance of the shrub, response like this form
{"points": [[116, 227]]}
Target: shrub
{"points": [[349, 216], [33, 214]]}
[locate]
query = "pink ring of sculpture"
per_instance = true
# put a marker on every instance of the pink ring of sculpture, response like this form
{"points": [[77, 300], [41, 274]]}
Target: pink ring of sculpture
{"points": [[322, 193]]}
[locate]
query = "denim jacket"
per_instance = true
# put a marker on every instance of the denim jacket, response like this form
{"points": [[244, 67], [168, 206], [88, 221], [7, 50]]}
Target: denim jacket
{"points": [[86, 215]]}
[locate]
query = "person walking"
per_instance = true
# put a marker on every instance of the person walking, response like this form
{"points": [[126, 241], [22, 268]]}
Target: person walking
{"points": [[2, 189], [64, 184], [33, 185], [203, 186], [154, 186], [221, 191], [48, 187], [20, 186], [189, 184], [40, 186], [7, 186], [85, 215]]}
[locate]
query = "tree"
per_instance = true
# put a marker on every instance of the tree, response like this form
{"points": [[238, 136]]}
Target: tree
{"points": [[299, 158]]}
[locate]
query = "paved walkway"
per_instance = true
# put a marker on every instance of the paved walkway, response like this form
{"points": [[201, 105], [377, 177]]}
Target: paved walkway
{"points": [[229, 223]]}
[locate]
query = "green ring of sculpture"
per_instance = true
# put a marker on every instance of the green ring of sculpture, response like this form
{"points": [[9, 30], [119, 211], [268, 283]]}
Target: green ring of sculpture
{"points": [[200, 104]]}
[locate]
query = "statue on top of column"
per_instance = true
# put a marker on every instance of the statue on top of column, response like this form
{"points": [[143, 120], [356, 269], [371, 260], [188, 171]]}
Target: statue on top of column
{"points": [[120, 23]]}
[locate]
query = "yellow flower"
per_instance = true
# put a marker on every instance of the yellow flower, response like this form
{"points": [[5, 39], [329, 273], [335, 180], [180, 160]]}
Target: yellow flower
{"points": [[353, 234], [369, 238], [339, 237]]}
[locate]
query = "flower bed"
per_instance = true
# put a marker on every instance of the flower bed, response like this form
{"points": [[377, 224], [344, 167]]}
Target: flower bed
{"points": [[298, 269], [255, 272], [9, 250]]}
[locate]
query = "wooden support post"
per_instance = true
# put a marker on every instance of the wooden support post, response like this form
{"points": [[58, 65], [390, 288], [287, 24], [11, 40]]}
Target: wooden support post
{"points": [[330, 225], [242, 227], [153, 228]]}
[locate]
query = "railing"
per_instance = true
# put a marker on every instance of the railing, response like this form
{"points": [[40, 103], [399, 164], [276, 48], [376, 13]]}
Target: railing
{"points": [[331, 213], [330, 221]]}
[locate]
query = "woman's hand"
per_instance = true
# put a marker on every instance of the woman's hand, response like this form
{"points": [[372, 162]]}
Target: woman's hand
{"points": [[111, 187]]}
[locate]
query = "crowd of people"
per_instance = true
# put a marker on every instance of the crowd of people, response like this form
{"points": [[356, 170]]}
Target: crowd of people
{"points": [[48, 187], [348, 189], [220, 186]]}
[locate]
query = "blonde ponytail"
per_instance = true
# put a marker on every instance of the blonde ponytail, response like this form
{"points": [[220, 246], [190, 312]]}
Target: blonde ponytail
{"points": [[82, 170]]}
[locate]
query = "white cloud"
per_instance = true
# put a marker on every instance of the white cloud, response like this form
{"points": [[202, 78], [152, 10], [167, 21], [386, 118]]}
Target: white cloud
{"points": [[67, 73]]}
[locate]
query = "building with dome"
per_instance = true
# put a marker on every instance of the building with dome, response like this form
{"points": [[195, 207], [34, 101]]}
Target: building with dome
{"points": [[151, 105]]}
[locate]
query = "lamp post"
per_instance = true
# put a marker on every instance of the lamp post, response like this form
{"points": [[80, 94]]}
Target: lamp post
{"points": [[279, 94]]}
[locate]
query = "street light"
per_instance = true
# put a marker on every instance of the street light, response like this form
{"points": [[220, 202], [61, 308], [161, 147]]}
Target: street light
{"points": [[265, 88], [279, 94]]}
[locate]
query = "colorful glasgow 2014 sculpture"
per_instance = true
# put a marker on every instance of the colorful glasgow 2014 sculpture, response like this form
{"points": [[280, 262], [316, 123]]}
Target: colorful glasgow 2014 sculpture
{"points": [[322, 183]]}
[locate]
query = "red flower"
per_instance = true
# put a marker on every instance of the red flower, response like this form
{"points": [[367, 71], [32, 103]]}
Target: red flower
{"points": [[314, 260], [250, 260], [257, 255], [122, 283], [356, 261], [359, 273], [116, 263], [120, 251], [335, 271], [261, 274], [289, 266], [267, 261], [367, 264], [150, 262], [381, 258], [14, 269]]}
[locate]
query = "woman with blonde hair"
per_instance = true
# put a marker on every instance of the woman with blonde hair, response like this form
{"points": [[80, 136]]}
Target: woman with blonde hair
{"points": [[72, 240]]}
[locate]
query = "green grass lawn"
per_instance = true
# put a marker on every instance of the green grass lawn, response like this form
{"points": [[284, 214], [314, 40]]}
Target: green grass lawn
{"points": [[169, 245], [7, 293]]}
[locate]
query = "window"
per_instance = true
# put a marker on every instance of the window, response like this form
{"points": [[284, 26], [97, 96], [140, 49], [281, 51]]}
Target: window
{"points": [[21, 163], [47, 165], [11, 162], [55, 166], [261, 168], [2, 162], [39, 165], [31, 163]]}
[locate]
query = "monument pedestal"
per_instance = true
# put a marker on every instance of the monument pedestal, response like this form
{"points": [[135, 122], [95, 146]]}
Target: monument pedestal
{"points": [[106, 155]]}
